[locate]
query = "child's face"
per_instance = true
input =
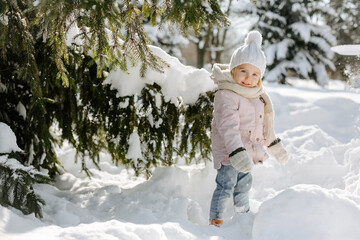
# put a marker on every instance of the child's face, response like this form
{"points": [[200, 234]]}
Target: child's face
{"points": [[247, 75]]}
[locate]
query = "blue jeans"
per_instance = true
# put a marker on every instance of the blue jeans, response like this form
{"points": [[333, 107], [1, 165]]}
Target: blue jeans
{"points": [[230, 183]]}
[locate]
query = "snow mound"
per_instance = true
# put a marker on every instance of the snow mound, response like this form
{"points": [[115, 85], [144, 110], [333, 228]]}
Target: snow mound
{"points": [[308, 212], [311, 151], [171, 193]]}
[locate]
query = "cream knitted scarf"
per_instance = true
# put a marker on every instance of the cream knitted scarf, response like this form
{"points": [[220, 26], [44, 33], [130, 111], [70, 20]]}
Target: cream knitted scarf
{"points": [[223, 78]]}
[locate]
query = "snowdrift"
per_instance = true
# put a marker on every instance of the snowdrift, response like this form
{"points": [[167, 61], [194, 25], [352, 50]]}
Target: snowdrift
{"points": [[308, 212]]}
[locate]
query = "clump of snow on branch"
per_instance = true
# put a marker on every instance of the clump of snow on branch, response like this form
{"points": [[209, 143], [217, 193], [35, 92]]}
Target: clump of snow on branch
{"points": [[7, 139], [134, 151], [349, 50], [177, 81], [21, 110]]}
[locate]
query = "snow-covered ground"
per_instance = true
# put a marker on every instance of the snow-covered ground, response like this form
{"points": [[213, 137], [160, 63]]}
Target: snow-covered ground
{"points": [[315, 196]]}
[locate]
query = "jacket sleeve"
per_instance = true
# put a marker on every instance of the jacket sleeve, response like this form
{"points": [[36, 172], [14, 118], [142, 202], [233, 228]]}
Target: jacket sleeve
{"points": [[227, 119]]}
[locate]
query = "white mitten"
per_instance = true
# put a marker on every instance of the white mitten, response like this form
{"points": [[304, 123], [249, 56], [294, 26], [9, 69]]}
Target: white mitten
{"points": [[278, 151], [241, 160]]}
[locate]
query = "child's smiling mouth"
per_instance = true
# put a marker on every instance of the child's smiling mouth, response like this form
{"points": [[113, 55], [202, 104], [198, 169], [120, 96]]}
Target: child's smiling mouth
{"points": [[246, 84]]}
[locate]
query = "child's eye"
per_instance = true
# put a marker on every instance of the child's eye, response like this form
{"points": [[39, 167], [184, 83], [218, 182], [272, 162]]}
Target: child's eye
{"points": [[255, 75]]}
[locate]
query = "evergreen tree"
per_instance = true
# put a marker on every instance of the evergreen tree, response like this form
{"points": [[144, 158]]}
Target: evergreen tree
{"points": [[345, 25], [345, 21], [57, 81], [195, 136], [294, 40]]}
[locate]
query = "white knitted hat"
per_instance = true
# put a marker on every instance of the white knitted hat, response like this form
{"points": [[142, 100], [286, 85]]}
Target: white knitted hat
{"points": [[250, 53]]}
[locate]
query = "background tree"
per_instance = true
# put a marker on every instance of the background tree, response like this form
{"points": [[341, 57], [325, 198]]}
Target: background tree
{"points": [[294, 40], [213, 41], [345, 25], [345, 22], [47, 80]]}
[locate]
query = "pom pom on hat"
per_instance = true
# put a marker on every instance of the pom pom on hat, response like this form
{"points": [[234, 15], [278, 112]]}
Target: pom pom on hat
{"points": [[250, 53], [254, 37]]}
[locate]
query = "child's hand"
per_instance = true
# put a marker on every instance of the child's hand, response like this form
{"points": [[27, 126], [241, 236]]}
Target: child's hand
{"points": [[241, 160], [279, 152]]}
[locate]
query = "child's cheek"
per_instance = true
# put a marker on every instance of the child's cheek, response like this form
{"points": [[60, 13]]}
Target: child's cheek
{"points": [[237, 78]]}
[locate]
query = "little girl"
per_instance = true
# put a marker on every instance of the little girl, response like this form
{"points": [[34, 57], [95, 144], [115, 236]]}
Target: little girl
{"points": [[242, 125]]}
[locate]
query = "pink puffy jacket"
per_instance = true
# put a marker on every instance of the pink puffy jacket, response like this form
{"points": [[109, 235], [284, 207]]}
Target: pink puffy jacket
{"points": [[237, 122]]}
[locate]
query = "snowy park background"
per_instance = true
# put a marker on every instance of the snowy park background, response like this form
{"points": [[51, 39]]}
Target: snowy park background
{"points": [[315, 196]]}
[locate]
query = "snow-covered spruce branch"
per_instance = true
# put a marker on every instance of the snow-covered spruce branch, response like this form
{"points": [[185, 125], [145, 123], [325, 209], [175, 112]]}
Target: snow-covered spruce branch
{"points": [[16, 181]]}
